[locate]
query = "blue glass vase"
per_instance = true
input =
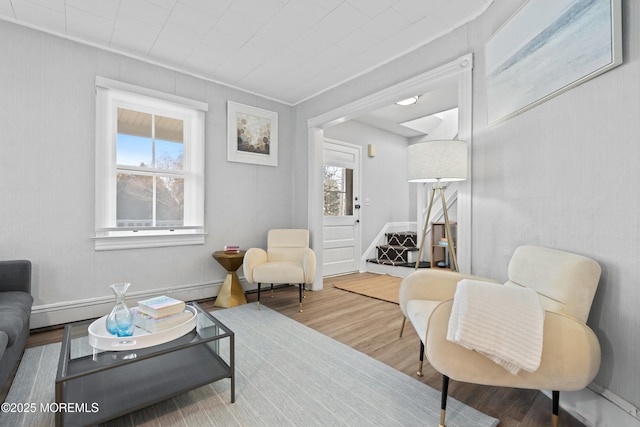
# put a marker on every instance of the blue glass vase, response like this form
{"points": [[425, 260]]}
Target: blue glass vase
{"points": [[120, 321]]}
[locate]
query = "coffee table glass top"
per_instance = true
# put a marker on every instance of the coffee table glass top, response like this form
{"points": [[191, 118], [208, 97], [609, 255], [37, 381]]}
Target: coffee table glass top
{"points": [[119, 382], [207, 329]]}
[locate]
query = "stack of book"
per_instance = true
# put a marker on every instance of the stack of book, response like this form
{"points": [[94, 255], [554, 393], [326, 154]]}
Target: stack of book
{"points": [[160, 313], [232, 249]]}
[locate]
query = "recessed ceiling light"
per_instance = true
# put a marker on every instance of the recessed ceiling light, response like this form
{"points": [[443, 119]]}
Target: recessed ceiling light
{"points": [[408, 101]]}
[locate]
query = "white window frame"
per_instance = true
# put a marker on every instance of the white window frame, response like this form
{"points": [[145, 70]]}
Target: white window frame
{"points": [[110, 95]]}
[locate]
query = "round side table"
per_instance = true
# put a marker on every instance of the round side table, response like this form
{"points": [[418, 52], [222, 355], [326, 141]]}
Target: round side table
{"points": [[231, 293]]}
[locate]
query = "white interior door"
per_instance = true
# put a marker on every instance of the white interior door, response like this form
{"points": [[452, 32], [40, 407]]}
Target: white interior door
{"points": [[341, 223]]}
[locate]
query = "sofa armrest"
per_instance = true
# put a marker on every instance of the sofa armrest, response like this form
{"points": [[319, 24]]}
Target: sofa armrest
{"points": [[15, 276], [431, 284], [253, 258]]}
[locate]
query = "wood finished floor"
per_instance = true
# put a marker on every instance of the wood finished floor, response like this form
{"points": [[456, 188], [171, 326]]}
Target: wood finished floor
{"points": [[372, 327]]}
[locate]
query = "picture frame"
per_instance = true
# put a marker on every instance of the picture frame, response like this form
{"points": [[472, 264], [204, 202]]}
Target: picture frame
{"points": [[547, 48], [252, 135]]}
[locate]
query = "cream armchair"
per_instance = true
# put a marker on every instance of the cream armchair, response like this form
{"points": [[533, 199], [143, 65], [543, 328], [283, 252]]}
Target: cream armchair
{"points": [[565, 284], [287, 260]]}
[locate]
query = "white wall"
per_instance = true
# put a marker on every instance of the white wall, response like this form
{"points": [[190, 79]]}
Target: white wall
{"points": [[47, 127], [384, 177], [563, 174]]}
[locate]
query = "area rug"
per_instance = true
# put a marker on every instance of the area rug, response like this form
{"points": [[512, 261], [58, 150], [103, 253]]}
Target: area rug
{"points": [[286, 375], [383, 287]]}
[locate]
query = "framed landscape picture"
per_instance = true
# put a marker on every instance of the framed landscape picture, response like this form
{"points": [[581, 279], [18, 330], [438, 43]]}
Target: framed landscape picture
{"points": [[252, 135], [548, 47]]}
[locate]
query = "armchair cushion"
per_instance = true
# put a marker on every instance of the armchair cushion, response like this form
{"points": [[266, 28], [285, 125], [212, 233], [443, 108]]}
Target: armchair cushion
{"points": [[279, 272], [570, 357]]}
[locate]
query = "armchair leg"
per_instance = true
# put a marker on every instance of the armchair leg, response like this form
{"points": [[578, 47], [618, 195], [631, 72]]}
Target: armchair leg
{"points": [[272, 290], [404, 320], [259, 296], [555, 409], [419, 373], [443, 403], [301, 291]]}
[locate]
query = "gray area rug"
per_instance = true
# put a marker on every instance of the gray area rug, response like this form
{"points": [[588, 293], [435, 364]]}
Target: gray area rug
{"points": [[286, 375]]}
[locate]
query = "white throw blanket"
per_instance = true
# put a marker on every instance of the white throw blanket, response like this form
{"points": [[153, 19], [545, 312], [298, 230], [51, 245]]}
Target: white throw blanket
{"points": [[504, 323]]}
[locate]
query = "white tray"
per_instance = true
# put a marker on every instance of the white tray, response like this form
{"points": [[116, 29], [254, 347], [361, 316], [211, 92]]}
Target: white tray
{"points": [[101, 339]]}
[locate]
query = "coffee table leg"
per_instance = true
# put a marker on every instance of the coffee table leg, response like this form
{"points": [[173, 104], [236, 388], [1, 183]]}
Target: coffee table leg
{"points": [[232, 363]]}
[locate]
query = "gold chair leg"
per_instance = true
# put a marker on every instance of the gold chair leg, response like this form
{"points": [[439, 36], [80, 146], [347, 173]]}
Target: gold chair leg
{"points": [[419, 373], [404, 320], [555, 422]]}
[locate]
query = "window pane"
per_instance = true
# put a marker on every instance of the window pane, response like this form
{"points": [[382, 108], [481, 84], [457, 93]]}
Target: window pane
{"points": [[169, 201], [338, 191], [169, 155], [134, 203], [169, 143], [134, 143]]}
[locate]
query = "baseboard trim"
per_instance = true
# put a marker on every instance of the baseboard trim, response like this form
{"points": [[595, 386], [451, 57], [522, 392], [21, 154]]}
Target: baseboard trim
{"points": [[598, 407], [60, 313]]}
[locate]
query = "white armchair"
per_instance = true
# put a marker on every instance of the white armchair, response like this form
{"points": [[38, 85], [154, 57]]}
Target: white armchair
{"points": [[287, 260], [565, 284]]}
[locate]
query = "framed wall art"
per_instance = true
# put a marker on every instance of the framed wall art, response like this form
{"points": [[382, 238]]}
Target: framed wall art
{"points": [[252, 135], [548, 47]]}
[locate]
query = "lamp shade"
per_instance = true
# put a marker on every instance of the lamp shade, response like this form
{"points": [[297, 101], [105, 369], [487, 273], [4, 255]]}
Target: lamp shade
{"points": [[434, 161]]}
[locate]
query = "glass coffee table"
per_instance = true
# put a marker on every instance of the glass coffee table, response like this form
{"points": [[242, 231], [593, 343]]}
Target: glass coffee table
{"points": [[93, 386]]}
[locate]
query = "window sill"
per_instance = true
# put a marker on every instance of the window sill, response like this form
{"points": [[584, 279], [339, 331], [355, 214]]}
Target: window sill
{"points": [[110, 241]]}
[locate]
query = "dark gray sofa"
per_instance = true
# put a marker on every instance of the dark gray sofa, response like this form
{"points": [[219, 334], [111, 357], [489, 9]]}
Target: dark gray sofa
{"points": [[15, 311]]}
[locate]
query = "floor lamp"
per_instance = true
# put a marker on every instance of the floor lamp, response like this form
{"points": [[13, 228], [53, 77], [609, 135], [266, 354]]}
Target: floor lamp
{"points": [[437, 162]]}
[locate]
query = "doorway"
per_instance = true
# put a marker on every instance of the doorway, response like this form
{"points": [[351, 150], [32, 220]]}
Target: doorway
{"points": [[341, 208], [459, 70]]}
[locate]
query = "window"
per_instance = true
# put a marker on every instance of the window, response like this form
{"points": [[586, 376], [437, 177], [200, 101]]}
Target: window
{"points": [[338, 191], [149, 168]]}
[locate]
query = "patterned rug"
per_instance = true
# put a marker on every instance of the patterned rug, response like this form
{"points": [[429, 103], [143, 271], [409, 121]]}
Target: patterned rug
{"points": [[286, 375]]}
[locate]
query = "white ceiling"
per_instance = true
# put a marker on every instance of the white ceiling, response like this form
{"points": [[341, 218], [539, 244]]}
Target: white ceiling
{"points": [[287, 50], [417, 119]]}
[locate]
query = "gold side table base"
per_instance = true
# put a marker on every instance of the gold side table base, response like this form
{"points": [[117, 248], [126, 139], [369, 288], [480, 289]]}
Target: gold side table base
{"points": [[231, 293]]}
